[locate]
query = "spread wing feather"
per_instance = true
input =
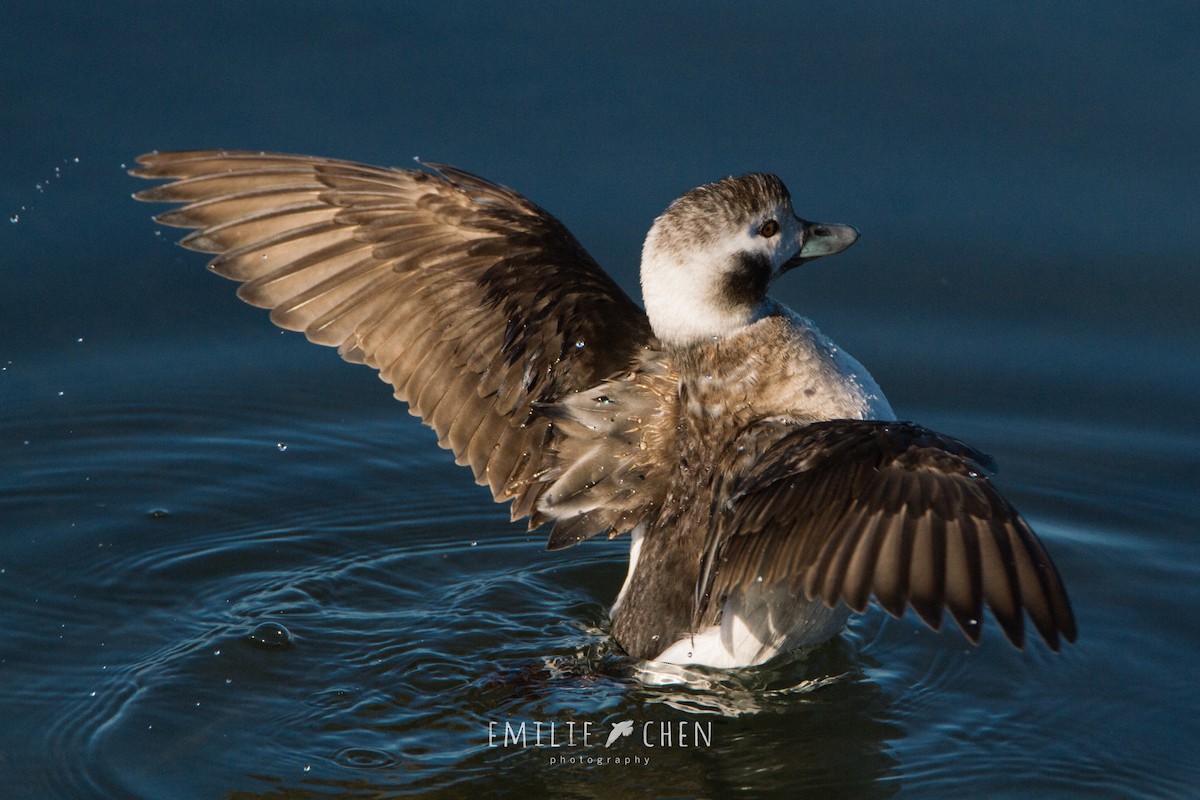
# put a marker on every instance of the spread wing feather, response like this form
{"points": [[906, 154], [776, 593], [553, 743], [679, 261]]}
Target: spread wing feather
{"points": [[472, 302], [847, 509]]}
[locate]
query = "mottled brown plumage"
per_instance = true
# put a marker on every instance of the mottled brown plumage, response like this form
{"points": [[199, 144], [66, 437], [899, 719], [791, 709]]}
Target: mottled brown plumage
{"points": [[744, 462], [444, 283], [846, 509]]}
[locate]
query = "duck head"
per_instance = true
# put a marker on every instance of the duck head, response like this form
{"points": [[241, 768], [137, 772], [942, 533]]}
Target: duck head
{"points": [[709, 259]]}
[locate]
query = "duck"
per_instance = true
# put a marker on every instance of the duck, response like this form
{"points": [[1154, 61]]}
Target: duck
{"points": [[766, 486]]}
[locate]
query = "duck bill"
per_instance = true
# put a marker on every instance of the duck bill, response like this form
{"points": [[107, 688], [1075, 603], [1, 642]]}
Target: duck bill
{"points": [[822, 239]]}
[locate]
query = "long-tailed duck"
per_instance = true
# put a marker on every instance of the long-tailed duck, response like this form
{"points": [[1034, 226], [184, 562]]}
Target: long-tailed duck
{"points": [[767, 486]]}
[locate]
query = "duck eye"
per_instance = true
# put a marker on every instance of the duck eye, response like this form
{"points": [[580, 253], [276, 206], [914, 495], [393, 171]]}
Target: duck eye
{"points": [[768, 229]]}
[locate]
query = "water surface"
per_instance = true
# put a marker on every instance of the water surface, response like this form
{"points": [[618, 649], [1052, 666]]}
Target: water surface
{"points": [[232, 566]]}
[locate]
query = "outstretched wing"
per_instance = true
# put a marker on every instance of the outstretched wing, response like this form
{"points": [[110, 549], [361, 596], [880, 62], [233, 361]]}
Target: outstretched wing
{"points": [[848, 509], [474, 303]]}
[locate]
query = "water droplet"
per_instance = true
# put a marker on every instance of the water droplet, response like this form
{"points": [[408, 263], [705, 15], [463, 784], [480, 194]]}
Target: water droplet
{"points": [[60, 394], [14, 219], [580, 344], [79, 340], [270, 636], [281, 446], [157, 513]]}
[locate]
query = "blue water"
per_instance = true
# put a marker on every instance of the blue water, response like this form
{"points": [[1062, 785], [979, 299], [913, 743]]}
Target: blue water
{"points": [[232, 566]]}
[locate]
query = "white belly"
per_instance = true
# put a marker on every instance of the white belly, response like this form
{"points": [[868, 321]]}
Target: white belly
{"points": [[756, 626]]}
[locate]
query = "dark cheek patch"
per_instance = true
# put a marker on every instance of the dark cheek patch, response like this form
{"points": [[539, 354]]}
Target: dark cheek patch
{"points": [[746, 283]]}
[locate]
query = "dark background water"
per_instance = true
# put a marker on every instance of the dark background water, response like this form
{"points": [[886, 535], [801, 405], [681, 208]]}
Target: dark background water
{"points": [[175, 473]]}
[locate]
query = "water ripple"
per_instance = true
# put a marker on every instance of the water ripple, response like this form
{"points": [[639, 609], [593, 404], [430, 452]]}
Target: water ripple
{"points": [[326, 620]]}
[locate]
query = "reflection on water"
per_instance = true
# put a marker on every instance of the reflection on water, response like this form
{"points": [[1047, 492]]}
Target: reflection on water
{"points": [[345, 616], [398, 663], [230, 566]]}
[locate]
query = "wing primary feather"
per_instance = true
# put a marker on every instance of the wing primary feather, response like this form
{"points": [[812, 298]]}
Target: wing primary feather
{"points": [[892, 564], [1000, 582], [964, 596], [461, 292], [927, 571], [860, 568]]}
